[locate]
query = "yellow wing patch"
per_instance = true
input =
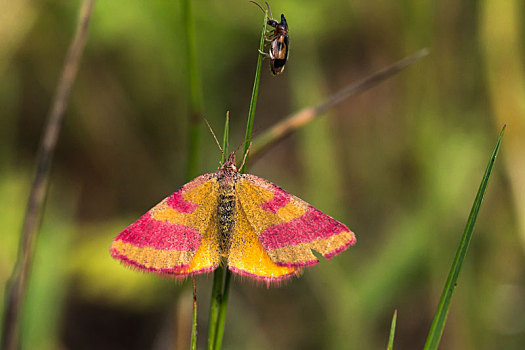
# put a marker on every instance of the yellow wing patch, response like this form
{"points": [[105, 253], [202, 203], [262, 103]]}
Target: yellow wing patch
{"points": [[248, 257], [178, 236]]}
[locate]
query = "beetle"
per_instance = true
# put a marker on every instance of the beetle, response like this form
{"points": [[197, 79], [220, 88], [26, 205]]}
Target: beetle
{"points": [[280, 42]]}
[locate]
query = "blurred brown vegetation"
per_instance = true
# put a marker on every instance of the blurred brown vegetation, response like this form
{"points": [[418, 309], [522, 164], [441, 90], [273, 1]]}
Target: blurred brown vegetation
{"points": [[400, 165]]}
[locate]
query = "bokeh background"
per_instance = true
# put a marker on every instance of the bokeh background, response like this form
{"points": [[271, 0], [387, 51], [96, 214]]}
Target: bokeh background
{"points": [[399, 164]]}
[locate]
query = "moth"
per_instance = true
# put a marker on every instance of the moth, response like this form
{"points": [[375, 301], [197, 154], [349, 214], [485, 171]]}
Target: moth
{"points": [[251, 225]]}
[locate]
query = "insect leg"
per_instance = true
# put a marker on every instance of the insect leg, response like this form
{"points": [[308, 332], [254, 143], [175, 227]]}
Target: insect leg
{"points": [[266, 55]]}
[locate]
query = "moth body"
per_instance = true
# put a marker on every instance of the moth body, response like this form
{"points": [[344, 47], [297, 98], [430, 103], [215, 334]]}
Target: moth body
{"points": [[226, 206]]}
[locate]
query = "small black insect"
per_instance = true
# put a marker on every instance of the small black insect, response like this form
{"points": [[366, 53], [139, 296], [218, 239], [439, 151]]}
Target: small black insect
{"points": [[280, 42]]}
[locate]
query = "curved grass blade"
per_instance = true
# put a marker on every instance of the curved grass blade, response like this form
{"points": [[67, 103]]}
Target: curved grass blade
{"points": [[436, 330], [255, 93], [390, 345], [16, 288], [304, 116]]}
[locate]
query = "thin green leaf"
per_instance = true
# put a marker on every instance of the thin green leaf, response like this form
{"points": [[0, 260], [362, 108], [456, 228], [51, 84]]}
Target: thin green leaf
{"points": [[216, 296], [225, 138], [436, 330], [195, 113], [390, 345], [222, 310], [16, 287], [193, 345], [255, 93]]}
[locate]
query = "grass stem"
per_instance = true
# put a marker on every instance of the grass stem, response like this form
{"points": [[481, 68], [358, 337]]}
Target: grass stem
{"points": [[194, 119], [255, 93], [17, 285], [297, 120], [193, 345], [222, 276]]}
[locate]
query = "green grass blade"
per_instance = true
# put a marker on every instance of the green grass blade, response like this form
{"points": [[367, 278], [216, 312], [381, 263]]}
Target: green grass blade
{"points": [[222, 311], [17, 285], [390, 345], [436, 330], [216, 296], [255, 93], [195, 114], [193, 345], [225, 138]]}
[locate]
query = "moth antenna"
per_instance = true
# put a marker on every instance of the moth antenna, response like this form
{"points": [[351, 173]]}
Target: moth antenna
{"points": [[269, 11], [238, 147], [245, 155], [256, 3], [215, 137]]}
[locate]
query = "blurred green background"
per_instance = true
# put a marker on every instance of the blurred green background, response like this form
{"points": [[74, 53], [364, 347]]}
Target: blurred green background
{"points": [[399, 164]]}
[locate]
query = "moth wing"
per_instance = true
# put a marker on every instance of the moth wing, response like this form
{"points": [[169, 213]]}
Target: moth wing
{"points": [[247, 257], [176, 237], [287, 227]]}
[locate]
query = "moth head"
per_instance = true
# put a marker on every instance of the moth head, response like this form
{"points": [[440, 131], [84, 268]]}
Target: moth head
{"points": [[230, 163]]}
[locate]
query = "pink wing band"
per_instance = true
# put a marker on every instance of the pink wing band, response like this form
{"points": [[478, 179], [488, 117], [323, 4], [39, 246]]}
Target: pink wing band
{"points": [[280, 199], [148, 232], [300, 255], [176, 202], [311, 226]]}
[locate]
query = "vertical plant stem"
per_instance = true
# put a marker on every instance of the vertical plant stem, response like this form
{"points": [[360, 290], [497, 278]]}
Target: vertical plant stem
{"points": [[218, 275], [193, 345], [255, 93], [440, 318], [222, 310], [195, 92], [216, 295], [219, 303], [16, 288]]}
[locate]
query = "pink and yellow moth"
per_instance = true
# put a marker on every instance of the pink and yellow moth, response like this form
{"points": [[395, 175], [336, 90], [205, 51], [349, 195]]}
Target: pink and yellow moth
{"points": [[260, 230]]}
